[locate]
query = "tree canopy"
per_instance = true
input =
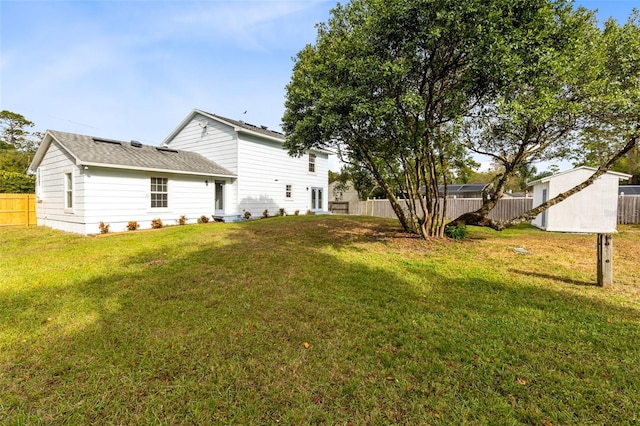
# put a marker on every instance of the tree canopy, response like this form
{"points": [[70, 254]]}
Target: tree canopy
{"points": [[406, 90], [17, 146]]}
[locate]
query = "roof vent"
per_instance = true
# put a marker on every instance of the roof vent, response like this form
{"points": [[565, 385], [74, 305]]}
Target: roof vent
{"points": [[165, 149], [101, 140], [264, 127], [136, 144]]}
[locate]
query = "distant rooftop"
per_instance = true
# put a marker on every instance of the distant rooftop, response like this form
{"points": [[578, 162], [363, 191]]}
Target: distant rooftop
{"points": [[629, 189]]}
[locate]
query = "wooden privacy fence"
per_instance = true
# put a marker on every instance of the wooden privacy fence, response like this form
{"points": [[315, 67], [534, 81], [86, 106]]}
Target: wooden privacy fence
{"points": [[628, 208], [17, 209]]}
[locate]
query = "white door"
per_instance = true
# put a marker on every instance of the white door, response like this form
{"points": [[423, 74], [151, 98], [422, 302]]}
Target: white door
{"points": [[219, 197], [316, 199]]}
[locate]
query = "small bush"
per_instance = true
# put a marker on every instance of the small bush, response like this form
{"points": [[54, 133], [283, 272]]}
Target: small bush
{"points": [[182, 220], [132, 225], [104, 228], [203, 219], [282, 212], [247, 215], [309, 211], [265, 213], [297, 212], [457, 232], [156, 223]]}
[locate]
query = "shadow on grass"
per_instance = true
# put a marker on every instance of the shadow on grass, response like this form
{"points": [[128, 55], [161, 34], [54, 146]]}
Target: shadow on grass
{"points": [[276, 324], [558, 278]]}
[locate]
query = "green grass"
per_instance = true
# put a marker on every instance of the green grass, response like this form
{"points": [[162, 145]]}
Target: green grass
{"points": [[209, 324]]}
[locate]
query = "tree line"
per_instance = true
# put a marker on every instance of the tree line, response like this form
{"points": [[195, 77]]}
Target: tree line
{"points": [[406, 92], [17, 146]]}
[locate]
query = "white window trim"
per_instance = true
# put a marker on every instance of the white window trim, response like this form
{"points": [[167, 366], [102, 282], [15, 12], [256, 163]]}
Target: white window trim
{"points": [[149, 206], [312, 161], [68, 180]]}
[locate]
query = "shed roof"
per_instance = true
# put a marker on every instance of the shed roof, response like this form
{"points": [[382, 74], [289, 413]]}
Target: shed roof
{"points": [[622, 176], [95, 151]]}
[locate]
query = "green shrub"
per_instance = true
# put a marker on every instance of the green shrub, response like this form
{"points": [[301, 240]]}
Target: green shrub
{"points": [[297, 212], [457, 232], [16, 183], [265, 213], [282, 212], [104, 228]]}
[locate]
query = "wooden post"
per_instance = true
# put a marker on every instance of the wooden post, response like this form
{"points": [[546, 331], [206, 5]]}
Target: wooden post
{"points": [[605, 260]]}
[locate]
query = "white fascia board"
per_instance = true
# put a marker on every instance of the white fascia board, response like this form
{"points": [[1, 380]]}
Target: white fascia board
{"points": [[149, 169]]}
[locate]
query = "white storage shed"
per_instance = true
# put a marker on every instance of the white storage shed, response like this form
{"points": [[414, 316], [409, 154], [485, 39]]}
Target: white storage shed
{"points": [[592, 210]]}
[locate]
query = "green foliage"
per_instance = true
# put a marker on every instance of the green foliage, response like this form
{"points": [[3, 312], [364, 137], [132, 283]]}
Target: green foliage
{"points": [[456, 232], [132, 225], [16, 183], [14, 133], [388, 84], [104, 228]]}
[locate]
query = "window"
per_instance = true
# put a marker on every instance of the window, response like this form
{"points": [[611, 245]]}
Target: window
{"points": [[38, 182], [68, 190], [312, 163], [159, 193], [287, 191]]}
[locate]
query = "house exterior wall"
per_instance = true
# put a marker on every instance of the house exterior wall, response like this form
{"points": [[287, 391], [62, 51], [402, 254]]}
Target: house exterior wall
{"points": [[114, 196], [592, 210], [119, 196], [265, 169], [262, 165], [50, 200], [211, 139]]}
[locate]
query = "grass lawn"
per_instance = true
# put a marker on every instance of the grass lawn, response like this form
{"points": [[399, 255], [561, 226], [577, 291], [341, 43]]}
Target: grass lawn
{"points": [[316, 320]]}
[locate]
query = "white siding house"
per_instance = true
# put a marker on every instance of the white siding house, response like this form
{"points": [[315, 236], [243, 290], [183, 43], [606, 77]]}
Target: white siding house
{"points": [[208, 166], [82, 181], [592, 210], [268, 178]]}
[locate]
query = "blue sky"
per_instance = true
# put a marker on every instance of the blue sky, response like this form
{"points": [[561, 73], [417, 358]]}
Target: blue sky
{"points": [[133, 69]]}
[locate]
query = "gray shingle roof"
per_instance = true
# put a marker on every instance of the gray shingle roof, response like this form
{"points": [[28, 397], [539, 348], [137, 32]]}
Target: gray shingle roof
{"points": [[258, 129], [111, 153]]}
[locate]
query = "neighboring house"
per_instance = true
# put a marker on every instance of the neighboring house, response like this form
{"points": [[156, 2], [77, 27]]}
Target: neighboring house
{"points": [[468, 190], [209, 166], [593, 210], [82, 181], [345, 195], [629, 190], [267, 177]]}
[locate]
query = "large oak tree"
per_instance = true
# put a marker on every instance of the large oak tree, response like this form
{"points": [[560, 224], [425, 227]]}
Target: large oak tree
{"points": [[388, 85]]}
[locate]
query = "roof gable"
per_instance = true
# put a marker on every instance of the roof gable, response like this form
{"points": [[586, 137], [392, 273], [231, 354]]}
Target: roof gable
{"points": [[94, 151], [621, 176], [237, 125]]}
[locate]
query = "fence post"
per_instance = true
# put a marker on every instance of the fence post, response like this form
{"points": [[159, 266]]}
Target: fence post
{"points": [[605, 260]]}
